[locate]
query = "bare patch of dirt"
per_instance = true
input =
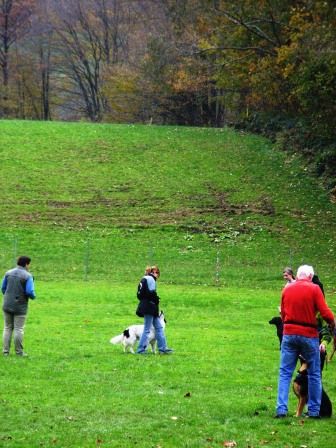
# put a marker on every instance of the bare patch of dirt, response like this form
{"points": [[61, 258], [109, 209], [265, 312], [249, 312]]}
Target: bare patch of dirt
{"points": [[262, 206]]}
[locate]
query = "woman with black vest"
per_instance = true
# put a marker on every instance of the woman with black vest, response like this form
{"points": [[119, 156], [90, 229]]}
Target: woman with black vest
{"points": [[148, 308]]}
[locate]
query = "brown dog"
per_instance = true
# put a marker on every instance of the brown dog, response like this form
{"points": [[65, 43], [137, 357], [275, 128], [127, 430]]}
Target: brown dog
{"points": [[300, 388]]}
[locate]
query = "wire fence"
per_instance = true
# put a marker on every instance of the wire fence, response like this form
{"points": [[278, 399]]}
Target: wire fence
{"points": [[123, 259]]}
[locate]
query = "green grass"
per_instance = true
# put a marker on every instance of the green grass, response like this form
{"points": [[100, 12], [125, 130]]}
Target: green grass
{"points": [[221, 213], [77, 390]]}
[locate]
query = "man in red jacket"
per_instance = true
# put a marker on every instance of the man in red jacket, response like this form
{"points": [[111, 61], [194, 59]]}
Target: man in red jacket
{"points": [[300, 302]]}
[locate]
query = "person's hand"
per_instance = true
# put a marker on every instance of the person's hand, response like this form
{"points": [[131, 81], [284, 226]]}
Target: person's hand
{"points": [[322, 348]]}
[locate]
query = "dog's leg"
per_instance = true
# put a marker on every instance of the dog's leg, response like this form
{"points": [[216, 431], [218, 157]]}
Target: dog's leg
{"points": [[131, 343], [302, 399], [128, 345], [301, 405], [153, 343]]}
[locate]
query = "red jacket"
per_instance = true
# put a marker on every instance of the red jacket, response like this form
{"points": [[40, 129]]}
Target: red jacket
{"points": [[300, 302]]}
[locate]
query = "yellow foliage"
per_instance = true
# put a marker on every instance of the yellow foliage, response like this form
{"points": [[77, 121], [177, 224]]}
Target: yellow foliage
{"points": [[120, 91], [183, 80]]}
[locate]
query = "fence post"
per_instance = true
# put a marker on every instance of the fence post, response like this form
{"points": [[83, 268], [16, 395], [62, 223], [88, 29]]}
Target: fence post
{"points": [[291, 258], [150, 255], [217, 279], [86, 260], [15, 246]]}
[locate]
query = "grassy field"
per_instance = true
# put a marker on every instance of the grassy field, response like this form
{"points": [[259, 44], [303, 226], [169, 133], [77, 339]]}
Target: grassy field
{"points": [[221, 213], [77, 390]]}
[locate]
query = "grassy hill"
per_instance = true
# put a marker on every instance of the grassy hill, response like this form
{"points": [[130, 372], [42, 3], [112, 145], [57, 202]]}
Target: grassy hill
{"points": [[221, 213], [208, 205]]}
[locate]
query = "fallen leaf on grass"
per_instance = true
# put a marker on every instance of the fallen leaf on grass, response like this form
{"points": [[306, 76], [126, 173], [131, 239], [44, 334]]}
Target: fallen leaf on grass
{"points": [[230, 443]]}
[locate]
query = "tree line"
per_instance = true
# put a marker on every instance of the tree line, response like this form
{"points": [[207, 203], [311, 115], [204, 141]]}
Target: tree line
{"points": [[264, 65]]}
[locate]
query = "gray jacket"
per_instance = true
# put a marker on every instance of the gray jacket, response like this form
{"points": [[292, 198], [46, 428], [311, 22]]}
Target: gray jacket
{"points": [[18, 288]]}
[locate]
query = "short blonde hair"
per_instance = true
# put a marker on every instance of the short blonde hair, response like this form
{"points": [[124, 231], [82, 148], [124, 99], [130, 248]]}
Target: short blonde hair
{"points": [[152, 269], [155, 269]]}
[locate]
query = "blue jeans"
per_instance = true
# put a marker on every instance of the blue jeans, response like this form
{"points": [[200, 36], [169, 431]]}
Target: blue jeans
{"points": [[159, 334], [292, 346]]}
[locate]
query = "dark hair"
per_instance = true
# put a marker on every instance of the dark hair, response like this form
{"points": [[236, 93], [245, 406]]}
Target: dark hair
{"points": [[317, 281], [289, 271], [23, 261]]}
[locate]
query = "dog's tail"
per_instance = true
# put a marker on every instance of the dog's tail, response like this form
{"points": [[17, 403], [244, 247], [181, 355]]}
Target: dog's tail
{"points": [[117, 339], [326, 406]]}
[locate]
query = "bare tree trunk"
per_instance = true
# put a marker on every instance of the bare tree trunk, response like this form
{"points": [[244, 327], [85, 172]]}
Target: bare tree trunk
{"points": [[14, 23], [45, 81], [4, 53], [83, 51]]}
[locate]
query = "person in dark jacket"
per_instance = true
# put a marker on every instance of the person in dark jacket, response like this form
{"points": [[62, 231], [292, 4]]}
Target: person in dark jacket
{"points": [[17, 287], [148, 308], [325, 335]]}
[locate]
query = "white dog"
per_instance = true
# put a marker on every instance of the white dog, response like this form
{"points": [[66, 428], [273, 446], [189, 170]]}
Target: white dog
{"points": [[132, 334]]}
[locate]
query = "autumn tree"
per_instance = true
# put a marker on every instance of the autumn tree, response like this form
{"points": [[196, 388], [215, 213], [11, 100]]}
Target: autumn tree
{"points": [[81, 53], [194, 96], [277, 60], [14, 23]]}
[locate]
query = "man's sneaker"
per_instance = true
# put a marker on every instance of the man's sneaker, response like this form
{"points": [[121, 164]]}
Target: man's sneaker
{"points": [[167, 351], [280, 416], [24, 355]]}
